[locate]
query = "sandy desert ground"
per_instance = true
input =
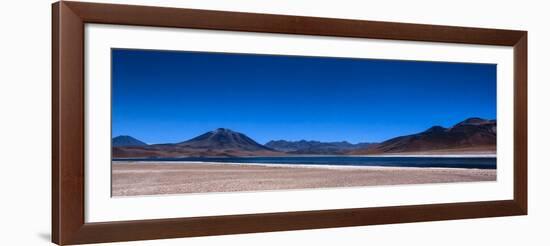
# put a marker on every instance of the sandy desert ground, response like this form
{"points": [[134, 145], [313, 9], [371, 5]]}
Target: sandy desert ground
{"points": [[154, 178]]}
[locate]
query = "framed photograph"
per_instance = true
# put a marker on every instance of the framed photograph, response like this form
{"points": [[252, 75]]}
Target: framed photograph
{"points": [[177, 123]]}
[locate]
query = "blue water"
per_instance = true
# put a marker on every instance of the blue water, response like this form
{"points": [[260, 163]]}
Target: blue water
{"points": [[448, 162]]}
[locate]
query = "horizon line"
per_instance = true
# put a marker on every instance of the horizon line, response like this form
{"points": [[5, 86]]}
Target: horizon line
{"points": [[310, 140]]}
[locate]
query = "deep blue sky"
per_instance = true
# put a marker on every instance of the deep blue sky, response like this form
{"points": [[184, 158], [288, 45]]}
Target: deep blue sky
{"points": [[171, 96]]}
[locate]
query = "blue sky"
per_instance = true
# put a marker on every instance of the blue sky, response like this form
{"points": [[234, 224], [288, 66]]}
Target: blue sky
{"points": [[171, 96]]}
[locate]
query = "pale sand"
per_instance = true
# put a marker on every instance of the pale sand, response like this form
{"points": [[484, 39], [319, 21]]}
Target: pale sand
{"points": [[153, 178]]}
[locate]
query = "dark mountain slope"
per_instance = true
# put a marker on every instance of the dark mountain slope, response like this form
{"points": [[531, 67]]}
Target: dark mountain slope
{"points": [[222, 138], [472, 134]]}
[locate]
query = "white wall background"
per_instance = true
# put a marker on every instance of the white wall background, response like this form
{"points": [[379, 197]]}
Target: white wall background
{"points": [[25, 138]]}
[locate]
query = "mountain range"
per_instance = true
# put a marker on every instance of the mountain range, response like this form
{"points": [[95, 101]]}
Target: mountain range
{"points": [[219, 142], [473, 135], [314, 147]]}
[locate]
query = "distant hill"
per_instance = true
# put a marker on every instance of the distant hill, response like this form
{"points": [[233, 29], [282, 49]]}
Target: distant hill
{"points": [[220, 142], [470, 135], [122, 141], [314, 147], [222, 138]]}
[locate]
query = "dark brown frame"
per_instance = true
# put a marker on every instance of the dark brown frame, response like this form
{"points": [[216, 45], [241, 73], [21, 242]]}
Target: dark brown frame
{"points": [[68, 224]]}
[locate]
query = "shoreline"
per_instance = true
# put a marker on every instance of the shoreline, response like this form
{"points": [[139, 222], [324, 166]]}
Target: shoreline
{"points": [[279, 156], [327, 166], [431, 155], [158, 178]]}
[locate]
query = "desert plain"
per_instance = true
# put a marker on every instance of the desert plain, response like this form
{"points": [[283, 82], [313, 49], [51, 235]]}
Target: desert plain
{"points": [[132, 178]]}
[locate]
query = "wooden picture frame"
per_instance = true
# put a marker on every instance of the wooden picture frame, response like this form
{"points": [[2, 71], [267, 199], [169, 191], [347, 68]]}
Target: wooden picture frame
{"points": [[68, 223]]}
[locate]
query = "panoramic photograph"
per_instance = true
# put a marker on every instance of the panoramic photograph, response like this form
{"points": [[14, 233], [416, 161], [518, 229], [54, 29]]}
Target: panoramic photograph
{"points": [[198, 122]]}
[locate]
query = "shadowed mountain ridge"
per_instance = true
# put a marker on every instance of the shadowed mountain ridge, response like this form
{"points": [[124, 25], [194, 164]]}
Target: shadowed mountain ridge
{"points": [[473, 134]]}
